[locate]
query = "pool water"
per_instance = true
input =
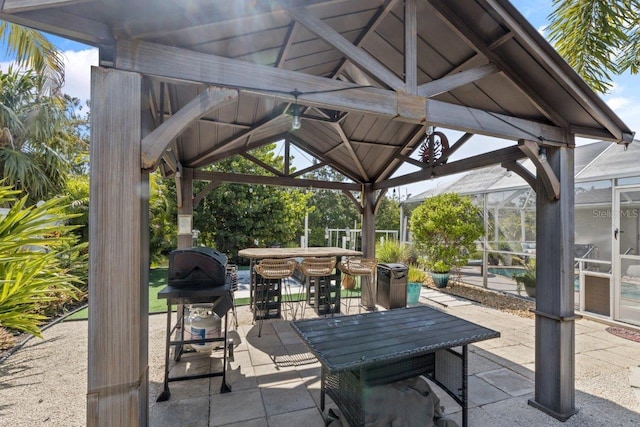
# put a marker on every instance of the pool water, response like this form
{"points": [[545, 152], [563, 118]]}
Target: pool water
{"points": [[506, 271]]}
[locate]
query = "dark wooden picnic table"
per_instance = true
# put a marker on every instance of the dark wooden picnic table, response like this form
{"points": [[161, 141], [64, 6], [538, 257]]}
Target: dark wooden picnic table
{"points": [[381, 347]]}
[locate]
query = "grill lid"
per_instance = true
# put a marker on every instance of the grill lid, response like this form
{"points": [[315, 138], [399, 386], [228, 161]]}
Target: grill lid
{"points": [[197, 266]]}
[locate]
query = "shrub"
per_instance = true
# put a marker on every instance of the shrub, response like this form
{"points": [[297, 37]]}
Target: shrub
{"points": [[32, 238], [445, 228]]}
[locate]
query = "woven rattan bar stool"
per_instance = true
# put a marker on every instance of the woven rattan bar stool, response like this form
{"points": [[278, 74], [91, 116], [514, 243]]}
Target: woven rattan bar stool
{"points": [[268, 290], [317, 272], [361, 268]]}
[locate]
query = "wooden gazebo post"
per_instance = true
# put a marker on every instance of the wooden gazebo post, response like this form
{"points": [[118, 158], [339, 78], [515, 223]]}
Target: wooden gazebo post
{"points": [[368, 221], [117, 389], [184, 184], [555, 319]]}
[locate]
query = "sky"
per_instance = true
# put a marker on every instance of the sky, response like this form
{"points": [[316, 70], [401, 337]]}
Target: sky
{"points": [[624, 98]]}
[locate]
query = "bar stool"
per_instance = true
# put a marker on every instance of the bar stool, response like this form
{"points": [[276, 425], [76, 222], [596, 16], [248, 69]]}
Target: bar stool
{"points": [[268, 290], [361, 267], [319, 270]]}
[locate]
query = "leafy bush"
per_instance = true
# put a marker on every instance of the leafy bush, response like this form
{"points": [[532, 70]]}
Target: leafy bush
{"points": [[32, 240], [445, 228]]}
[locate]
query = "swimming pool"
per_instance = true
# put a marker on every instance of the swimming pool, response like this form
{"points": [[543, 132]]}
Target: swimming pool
{"points": [[506, 271]]}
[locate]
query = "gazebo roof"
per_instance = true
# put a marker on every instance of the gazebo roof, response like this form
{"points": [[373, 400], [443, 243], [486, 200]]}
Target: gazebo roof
{"points": [[368, 84]]}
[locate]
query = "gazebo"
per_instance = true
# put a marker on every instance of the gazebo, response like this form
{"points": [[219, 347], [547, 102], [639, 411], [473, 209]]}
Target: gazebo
{"points": [[358, 84]]}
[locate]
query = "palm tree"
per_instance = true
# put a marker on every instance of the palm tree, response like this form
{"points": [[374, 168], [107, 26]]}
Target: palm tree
{"points": [[32, 135], [597, 38], [33, 51]]}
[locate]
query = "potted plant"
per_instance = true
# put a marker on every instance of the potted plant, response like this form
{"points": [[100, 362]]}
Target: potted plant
{"points": [[440, 273], [416, 277], [527, 279], [445, 229]]}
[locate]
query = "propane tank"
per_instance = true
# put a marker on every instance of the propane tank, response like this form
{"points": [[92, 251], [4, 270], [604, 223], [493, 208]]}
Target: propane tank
{"points": [[203, 323]]}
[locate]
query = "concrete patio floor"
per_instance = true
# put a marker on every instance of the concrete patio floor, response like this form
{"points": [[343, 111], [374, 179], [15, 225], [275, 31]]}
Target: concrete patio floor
{"points": [[275, 381]]}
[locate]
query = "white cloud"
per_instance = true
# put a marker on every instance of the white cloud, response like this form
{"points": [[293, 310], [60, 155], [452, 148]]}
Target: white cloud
{"points": [[77, 69], [618, 102]]}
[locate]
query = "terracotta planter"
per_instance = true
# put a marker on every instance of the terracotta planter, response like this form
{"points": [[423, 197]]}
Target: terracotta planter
{"points": [[440, 279]]}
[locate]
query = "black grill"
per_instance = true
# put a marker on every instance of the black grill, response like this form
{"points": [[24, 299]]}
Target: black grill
{"points": [[197, 267]]}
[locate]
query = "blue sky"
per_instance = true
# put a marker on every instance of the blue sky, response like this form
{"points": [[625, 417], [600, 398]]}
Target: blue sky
{"points": [[624, 98]]}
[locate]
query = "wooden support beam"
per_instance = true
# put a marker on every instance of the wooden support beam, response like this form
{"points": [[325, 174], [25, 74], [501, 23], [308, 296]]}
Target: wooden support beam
{"points": [[408, 146], [288, 39], [272, 180], [358, 56], [154, 144], [168, 62], [544, 172], [474, 162], [354, 158], [411, 47], [368, 195], [521, 171], [357, 203], [255, 143], [456, 146], [309, 169], [454, 81], [118, 366], [472, 120], [203, 193], [263, 165], [325, 157], [555, 317], [185, 205]]}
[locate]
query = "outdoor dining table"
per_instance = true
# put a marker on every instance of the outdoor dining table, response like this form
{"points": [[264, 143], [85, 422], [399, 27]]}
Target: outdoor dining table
{"points": [[256, 254], [381, 347]]}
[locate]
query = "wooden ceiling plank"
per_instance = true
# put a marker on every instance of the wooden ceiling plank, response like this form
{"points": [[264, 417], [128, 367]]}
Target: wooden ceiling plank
{"points": [[156, 142], [64, 25], [411, 143], [453, 81], [475, 41], [354, 53], [224, 124], [352, 153], [282, 55], [533, 46], [382, 13], [256, 143], [15, 6], [201, 160]]}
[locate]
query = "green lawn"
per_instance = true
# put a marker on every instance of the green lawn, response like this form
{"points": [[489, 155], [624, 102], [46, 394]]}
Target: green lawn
{"points": [[158, 280]]}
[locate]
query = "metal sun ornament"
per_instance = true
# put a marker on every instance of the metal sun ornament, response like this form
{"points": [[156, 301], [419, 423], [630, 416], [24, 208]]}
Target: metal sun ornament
{"points": [[436, 143]]}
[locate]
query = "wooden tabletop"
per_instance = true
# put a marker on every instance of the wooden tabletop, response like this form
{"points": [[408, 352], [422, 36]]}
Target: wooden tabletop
{"points": [[261, 253], [355, 341]]}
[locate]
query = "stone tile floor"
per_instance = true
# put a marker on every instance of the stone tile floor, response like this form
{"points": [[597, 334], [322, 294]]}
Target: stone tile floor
{"points": [[276, 381]]}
